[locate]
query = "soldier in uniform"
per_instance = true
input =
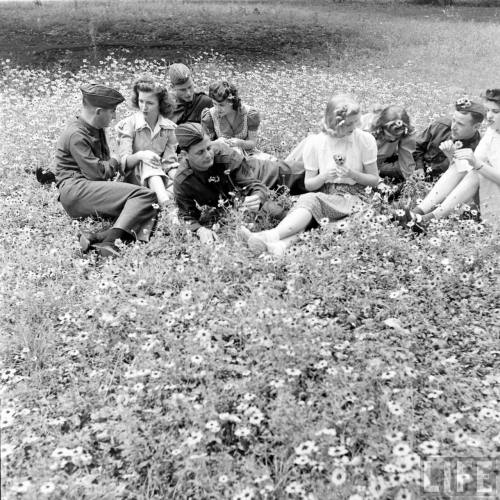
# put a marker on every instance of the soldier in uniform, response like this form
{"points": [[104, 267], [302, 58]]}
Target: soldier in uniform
{"points": [[84, 170], [188, 103], [210, 174], [430, 160]]}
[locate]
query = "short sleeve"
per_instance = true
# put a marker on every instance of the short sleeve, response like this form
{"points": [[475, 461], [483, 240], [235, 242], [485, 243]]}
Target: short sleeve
{"points": [[367, 147], [310, 156], [366, 122], [208, 124], [253, 119]]}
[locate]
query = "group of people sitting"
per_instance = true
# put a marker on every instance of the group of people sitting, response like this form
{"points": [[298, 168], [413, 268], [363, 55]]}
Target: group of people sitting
{"points": [[200, 152]]}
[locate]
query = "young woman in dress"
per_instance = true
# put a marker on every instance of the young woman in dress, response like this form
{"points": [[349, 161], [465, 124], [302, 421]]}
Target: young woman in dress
{"points": [[340, 162], [231, 121], [147, 141]]}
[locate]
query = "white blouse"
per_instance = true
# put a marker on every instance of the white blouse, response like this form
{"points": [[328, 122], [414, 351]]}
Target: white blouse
{"points": [[358, 149]]}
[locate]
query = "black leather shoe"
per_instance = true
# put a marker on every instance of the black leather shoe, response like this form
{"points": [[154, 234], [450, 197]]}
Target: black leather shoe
{"points": [[44, 176]]}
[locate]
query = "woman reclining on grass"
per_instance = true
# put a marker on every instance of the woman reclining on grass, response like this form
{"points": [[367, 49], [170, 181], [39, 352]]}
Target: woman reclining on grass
{"points": [[340, 162], [230, 121], [469, 172], [146, 140]]}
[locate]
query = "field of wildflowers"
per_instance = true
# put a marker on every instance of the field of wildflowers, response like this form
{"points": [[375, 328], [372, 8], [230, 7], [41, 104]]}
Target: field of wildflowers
{"points": [[182, 372]]}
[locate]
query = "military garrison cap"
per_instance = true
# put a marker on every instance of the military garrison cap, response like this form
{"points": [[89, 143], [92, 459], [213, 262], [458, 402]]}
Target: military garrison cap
{"points": [[101, 96], [188, 134], [464, 104]]}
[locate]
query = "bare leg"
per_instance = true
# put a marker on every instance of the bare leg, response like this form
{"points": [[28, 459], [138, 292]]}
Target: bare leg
{"points": [[443, 187], [462, 193], [277, 240], [294, 223], [156, 184]]}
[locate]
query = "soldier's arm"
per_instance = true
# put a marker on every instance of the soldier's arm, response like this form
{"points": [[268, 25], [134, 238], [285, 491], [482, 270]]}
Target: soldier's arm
{"points": [[244, 179], [92, 167]]}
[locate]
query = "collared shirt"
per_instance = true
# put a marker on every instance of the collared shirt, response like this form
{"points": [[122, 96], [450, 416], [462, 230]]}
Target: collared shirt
{"points": [[134, 134], [228, 177], [191, 111], [82, 152], [427, 153]]}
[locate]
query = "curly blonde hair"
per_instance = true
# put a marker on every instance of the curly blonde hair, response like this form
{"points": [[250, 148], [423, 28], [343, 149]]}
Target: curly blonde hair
{"points": [[339, 107]]}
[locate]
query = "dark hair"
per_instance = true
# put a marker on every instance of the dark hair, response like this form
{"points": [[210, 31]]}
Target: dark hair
{"points": [[492, 95], [222, 90], [476, 117], [392, 115], [146, 84]]}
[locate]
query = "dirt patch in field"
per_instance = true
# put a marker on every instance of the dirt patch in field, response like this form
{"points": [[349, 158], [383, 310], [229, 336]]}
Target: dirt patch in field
{"points": [[171, 41]]}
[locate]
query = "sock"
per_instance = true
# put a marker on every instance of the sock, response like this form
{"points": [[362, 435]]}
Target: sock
{"points": [[114, 234]]}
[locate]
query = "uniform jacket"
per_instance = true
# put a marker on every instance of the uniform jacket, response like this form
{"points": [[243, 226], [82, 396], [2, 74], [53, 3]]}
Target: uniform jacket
{"points": [[229, 177], [191, 111], [83, 152]]}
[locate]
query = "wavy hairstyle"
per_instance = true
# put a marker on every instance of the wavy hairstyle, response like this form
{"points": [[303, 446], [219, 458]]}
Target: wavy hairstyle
{"points": [[492, 95], [222, 90], [395, 120], [147, 84]]}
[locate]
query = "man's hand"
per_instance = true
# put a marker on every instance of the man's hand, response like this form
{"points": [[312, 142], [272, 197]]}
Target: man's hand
{"points": [[207, 236], [252, 203], [448, 148]]}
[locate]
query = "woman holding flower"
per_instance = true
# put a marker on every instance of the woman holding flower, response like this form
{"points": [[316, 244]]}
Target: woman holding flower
{"points": [[470, 172], [340, 162], [231, 121], [146, 139]]}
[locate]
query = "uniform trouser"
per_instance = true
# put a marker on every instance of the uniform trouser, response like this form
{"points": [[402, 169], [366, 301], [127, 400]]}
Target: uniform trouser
{"points": [[277, 173], [131, 206]]}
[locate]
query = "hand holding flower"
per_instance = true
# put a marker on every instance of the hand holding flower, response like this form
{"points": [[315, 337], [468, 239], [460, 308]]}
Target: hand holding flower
{"points": [[448, 148], [331, 173]]}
